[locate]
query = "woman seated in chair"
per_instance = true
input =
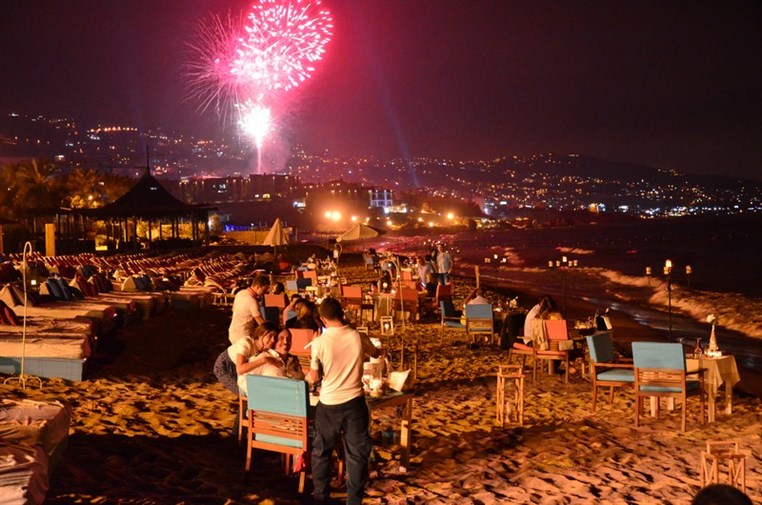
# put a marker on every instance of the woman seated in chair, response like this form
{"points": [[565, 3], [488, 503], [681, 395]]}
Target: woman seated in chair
{"points": [[279, 362], [246, 354], [533, 326], [306, 317], [476, 298]]}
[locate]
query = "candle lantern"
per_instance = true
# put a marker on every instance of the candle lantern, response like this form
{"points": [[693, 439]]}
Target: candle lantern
{"points": [[387, 325]]}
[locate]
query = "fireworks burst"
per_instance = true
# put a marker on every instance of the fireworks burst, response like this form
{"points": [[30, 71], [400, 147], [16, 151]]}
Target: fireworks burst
{"points": [[255, 121], [210, 58], [282, 41], [241, 67]]}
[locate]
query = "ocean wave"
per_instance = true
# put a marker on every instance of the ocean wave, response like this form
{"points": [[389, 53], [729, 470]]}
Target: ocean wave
{"points": [[733, 310]]}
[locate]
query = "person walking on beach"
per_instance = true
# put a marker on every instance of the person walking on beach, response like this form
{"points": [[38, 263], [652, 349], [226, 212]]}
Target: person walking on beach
{"points": [[246, 312], [340, 350], [444, 264]]}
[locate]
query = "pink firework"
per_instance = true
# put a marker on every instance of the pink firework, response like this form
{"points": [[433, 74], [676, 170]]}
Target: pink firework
{"points": [[282, 41], [210, 58]]}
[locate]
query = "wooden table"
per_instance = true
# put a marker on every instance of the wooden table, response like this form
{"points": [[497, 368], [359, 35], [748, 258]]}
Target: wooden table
{"points": [[718, 370], [392, 399], [398, 399]]}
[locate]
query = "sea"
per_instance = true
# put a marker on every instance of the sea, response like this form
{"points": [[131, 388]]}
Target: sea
{"points": [[716, 271]]}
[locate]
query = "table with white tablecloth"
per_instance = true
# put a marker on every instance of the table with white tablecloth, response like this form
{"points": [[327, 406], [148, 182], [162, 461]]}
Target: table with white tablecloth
{"points": [[717, 371]]}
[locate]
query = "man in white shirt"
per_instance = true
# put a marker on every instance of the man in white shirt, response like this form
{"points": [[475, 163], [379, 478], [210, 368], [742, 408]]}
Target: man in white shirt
{"points": [[340, 350], [444, 264], [424, 268], [246, 312]]}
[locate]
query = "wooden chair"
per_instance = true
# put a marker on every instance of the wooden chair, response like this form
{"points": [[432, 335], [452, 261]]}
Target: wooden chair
{"points": [[242, 410], [300, 338], [520, 349], [479, 321], [354, 301], [450, 318], [277, 419], [444, 292], [406, 300], [660, 372], [607, 370], [559, 345], [717, 453], [278, 301]]}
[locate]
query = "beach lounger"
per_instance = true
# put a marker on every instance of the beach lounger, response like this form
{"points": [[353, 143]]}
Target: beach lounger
{"points": [[104, 317], [33, 436], [24, 477]]}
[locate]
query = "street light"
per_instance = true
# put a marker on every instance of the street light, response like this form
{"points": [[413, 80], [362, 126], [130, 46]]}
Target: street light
{"points": [[563, 264]]}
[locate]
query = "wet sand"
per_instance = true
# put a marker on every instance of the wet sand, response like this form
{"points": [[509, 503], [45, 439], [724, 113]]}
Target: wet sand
{"points": [[152, 425]]}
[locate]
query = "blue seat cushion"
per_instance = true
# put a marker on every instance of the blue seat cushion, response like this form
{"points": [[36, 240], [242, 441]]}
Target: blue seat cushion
{"points": [[272, 439], [616, 375], [454, 324], [690, 385]]}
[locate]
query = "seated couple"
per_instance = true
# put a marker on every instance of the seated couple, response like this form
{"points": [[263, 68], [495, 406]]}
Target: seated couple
{"points": [[265, 352]]}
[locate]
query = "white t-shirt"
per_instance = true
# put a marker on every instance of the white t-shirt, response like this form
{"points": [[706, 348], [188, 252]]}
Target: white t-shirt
{"points": [[244, 346], [245, 309], [478, 300], [531, 315], [341, 352]]}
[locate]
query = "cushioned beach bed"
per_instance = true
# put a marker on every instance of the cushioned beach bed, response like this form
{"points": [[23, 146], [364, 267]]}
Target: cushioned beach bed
{"points": [[33, 436]]}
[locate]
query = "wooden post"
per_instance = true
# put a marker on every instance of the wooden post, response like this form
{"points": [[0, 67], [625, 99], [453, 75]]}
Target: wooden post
{"points": [[476, 273], [50, 239]]}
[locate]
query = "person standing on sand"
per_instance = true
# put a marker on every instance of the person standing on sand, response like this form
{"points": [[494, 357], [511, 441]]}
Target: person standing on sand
{"points": [[444, 264], [340, 350], [246, 312]]}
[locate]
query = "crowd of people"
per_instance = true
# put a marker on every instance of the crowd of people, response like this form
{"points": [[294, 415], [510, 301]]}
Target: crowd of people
{"points": [[338, 352]]}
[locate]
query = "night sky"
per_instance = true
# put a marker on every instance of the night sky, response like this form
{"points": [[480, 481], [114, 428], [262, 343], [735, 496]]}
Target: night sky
{"points": [[671, 84]]}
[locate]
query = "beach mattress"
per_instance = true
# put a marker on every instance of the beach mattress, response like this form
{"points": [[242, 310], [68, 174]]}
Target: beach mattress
{"points": [[43, 326], [23, 474], [37, 346], [101, 324], [31, 422]]}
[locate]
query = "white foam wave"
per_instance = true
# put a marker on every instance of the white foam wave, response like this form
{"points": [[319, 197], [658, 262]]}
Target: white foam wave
{"points": [[734, 311]]}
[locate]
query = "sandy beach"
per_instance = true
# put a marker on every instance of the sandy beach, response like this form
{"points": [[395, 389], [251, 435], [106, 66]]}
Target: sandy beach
{"points": [[152, 425]]}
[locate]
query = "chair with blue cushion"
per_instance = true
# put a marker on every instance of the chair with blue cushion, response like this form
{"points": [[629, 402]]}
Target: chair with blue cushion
{"points": [[277, 418], [480, 322], [450, 317], [660, 372], [608, 370]]}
